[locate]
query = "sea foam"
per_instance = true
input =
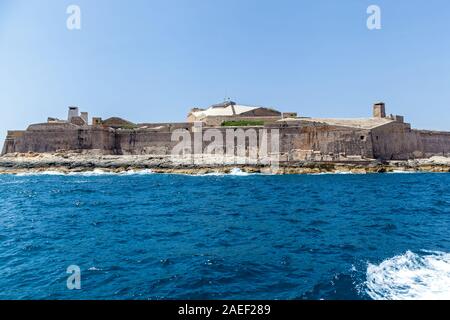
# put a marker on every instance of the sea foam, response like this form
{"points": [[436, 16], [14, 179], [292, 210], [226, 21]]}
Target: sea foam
{"points": [[410, 277], [238, 172], [95, 172], [233, 172]]}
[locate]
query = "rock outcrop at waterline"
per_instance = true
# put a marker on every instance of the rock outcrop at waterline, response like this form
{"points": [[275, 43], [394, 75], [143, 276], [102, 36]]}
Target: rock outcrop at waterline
{"points": [[75, 162]]}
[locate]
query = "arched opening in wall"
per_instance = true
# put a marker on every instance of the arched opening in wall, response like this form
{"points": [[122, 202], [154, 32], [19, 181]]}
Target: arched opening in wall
{"points": [[363, 138]]}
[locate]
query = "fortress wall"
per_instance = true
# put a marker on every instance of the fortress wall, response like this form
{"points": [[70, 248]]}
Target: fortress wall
{"points": [[392, 141], [54, 138], [261, 136], [396, 141], [433, 142], [46, 141], [159, 142], [10, 140], [143, 142], [8, 146], [298, 141], [323, 139], [98, 138], [14, 134], [327, 141]]}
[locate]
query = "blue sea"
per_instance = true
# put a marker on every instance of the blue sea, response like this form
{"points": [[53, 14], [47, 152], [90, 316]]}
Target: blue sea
{"points": [[235, 236]]}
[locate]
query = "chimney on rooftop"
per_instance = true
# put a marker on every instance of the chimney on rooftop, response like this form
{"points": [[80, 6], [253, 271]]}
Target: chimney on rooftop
{"points": [[73, 112], [379, 110]]}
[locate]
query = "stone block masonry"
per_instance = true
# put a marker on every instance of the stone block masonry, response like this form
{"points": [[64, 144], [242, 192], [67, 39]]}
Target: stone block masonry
{"points": [[300, 139]]}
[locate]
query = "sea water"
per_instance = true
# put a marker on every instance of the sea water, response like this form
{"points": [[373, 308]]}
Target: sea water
{"points": [[156, 236]]}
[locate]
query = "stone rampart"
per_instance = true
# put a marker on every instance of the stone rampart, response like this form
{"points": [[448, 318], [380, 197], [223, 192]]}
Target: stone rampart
{"points": [[304, 140]]}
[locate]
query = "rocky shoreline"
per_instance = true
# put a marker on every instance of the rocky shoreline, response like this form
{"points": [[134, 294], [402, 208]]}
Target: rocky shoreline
{"points": [[79, 163]]}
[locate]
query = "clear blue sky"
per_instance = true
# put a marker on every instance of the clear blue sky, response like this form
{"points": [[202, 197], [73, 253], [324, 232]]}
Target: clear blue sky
{"points": [[148, 60]]}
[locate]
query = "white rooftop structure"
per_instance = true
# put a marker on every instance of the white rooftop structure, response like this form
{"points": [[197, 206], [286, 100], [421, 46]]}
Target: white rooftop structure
{"points": [[218, 111]]}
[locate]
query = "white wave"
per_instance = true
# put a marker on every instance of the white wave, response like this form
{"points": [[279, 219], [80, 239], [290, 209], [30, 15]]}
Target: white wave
{"points": [[238, 172], [214, 174], [410, 277], [402, 171], [337, 172], [100, 172], [40, 173], [344, 172], [94, 269], [137, 172], [233, 172], [95, 172]]}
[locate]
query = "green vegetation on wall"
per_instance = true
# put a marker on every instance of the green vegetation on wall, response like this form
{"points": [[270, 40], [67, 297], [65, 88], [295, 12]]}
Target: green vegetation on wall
{"points": [[128, 126]]}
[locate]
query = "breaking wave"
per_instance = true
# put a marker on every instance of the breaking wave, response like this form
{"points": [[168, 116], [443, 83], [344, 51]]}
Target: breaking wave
{"points": [[337, 172], [410, 277], [402, 171], [42, 173], [101, 172], [238, 172], [233, 172], [95, 172]]}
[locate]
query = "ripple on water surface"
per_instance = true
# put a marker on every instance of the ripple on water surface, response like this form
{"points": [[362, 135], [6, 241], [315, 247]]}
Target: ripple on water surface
{"points": [[141, 235]]}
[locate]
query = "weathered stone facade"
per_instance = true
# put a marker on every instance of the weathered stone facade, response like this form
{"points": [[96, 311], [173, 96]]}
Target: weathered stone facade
{"points": [[380, 137]]}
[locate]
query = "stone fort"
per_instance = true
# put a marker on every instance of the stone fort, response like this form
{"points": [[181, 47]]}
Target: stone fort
{"points": [[381, 136]]}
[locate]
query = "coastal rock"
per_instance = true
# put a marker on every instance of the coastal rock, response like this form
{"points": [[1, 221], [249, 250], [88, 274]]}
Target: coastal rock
{"points": [[66, 162]]}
